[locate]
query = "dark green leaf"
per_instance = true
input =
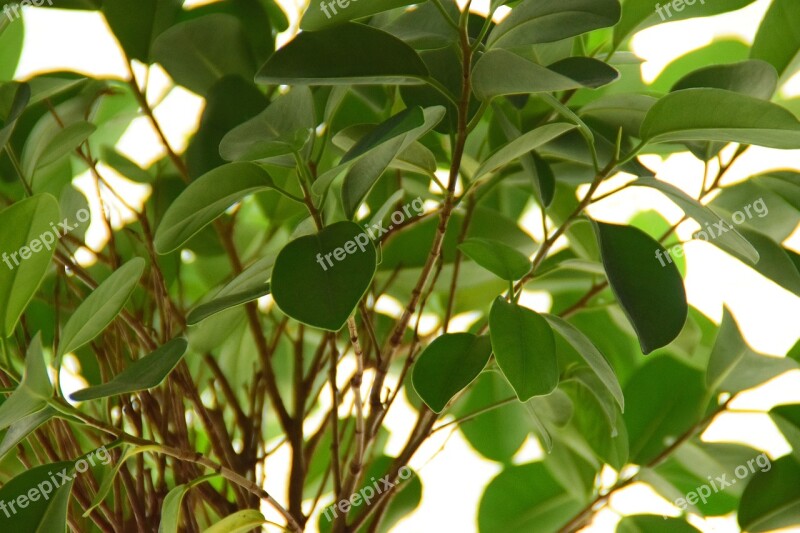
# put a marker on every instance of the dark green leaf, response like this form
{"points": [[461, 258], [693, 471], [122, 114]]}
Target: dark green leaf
{"points": [[753, 78], [772, 499], [651, 294], [778, 40], [319, 279], [46, 511], [136, 25], [448, 365], [321, 15], [347, 54]]}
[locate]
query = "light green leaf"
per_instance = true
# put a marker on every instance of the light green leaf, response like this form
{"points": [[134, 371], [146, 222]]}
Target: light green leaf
{"points": [[101, 307], [347, 54], [644, 523], [145, 373], [731, 240], [238, 522], [498, 258], [47, 151], [171, 507], [638, 280], [490, 75], [284, 127], [524, 348], [33, 392], [719, 115], [319, 279], [547, 21], [19, 430], [448, 365], [206, 199], [512, 503], [26, 254], [734, 366], [110, 475], [596, 361]]}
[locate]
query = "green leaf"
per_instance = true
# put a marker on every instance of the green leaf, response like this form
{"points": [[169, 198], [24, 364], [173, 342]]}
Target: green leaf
{"points": [[110, 475], [655, 414], [101, 307], [753, 78], [787, 418], [217, 305], [136, 25], [47, 511], [347, 54], [374, 153], [521, 146], [513, 503], [238, 522], [25, 261], [645, 523], [626, 111], [145, 373], [498, 258], [319, 16], [772, 499], [125, 166], [652, 296], [14, 98], [640, 14], [524, 348], [49, 150], [497, 433], [171, 507], [547, 21], [319, 279], [33, 392], [589, 352], [731, 241], [448, 365], [719, 115], [282, 128], [734, 366], [778, 40], [12, 37], [490, 77], [19, 430], [200, 51], [206, 199]]}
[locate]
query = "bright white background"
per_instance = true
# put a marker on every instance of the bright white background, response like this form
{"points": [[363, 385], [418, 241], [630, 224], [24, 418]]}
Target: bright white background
{"points": [[453, 476]]}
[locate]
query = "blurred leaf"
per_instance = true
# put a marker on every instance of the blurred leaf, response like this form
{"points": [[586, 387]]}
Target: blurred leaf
{"points": [[772, 499], [645, 523], [498, 258], [33, 392], [238, 522], [137, 24], [777, 40], [217, 305]]}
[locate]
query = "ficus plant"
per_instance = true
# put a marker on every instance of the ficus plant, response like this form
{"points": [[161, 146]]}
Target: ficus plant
{"points": [[343, 235]]}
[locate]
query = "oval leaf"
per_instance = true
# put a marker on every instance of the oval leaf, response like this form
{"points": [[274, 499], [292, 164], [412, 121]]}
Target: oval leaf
{"points": [[652, 296], [347, 54], [448, 365], [498, 258], [319, 279], [525, 349], [719, 115], [240, 522]]}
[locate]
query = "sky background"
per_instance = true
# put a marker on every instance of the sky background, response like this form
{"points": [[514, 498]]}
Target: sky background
{"points": [[453, 476]]}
